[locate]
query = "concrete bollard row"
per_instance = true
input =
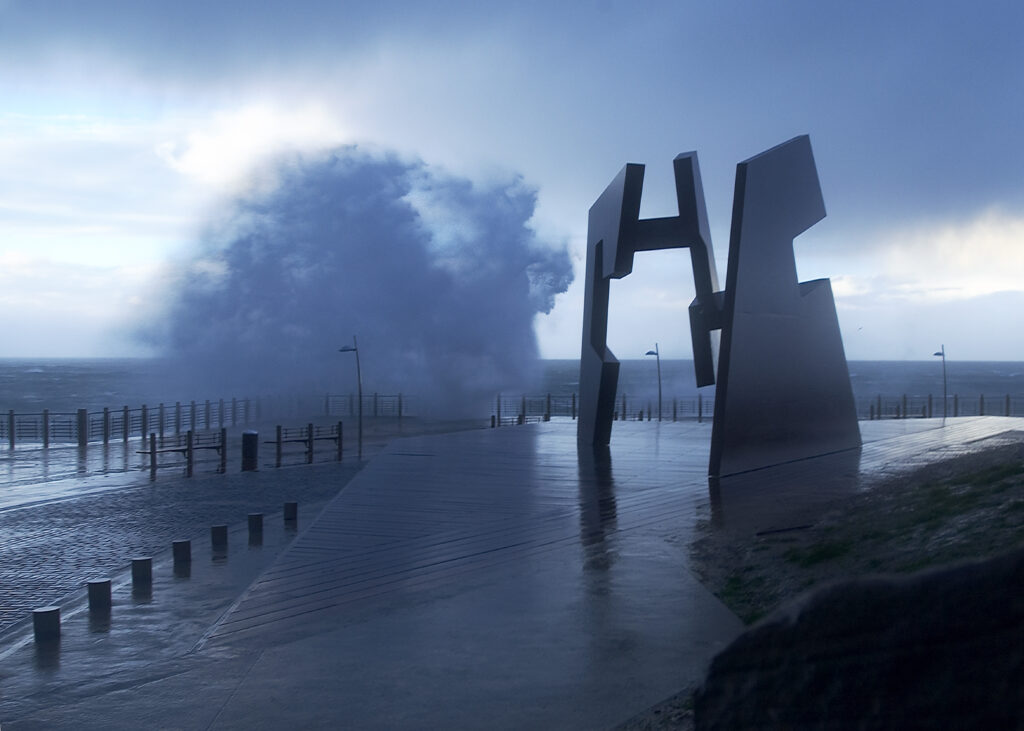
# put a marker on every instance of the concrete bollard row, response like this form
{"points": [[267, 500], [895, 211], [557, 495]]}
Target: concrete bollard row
{"points": [[255, 529], [99, 596], [46, 624], [46, 620], [219, 537], [142, 572], [182, 552]]}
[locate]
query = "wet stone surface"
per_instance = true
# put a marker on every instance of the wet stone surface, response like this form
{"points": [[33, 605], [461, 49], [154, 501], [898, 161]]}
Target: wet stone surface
{"points": [[52, 548]]}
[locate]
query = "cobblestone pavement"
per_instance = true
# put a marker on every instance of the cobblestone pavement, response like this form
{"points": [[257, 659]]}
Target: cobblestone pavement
{"points": [[50, 549], [64, 522]]}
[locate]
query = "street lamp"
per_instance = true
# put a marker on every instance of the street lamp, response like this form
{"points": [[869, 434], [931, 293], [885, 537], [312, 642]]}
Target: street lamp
{"points": [[354, 348], [657, 355], [942, 354]]}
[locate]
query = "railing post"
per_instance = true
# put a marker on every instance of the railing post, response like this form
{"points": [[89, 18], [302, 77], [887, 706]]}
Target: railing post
{"points": [[206, 414], [929, 406], [160, 425], [46, 427], [192, 415], [574, 406], [189, 454], [309, 443], [144, 423], [234, 411], [700, 408], [126, 423], [177, 418], [223, 451], [675, 408], [152, 455], [83, 429], [220, 413], [339, 440], [498, 408], [277, 462], [106, 426], [624, 415], [547, 409]]}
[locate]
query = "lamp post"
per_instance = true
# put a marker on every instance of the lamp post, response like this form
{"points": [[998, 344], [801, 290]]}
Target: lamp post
{"points": [[942, 354], [657, 355], [354, 348]]}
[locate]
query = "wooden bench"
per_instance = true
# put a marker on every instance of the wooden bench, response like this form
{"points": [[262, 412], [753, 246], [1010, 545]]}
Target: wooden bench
{"points": [[216, 441], [306, 435]]}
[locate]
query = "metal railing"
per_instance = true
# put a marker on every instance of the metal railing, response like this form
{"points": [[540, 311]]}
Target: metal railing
{"points": [[83, 427], [375, 405], [528, 409]]}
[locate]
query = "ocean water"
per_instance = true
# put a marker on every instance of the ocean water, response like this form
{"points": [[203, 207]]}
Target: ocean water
{"points": [[64, 385], [869, 379]]}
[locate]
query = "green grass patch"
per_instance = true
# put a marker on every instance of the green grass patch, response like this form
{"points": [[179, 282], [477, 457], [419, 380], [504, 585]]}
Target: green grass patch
{"points": [[818, 553], [995, 474]]}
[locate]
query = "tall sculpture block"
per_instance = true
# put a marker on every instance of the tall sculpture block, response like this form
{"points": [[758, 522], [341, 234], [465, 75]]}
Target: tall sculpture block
{"points": [[783, 386]]}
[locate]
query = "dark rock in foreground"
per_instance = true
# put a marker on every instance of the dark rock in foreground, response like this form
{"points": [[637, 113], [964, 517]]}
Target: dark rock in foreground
{"points": [[940, 649]]}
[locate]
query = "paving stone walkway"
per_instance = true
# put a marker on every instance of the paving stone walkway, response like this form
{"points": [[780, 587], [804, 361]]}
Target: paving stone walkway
{"points": [[52, 547], [497, 578]]}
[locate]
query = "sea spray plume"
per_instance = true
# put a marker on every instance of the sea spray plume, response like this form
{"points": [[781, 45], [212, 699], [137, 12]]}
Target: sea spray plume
{"points": [[439, 277]]}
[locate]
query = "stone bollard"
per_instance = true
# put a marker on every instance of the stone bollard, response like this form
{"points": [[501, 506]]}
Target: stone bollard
{"points": [[46, 624], [219, 537], [255, 526], [99, 595], [291, 512], [142, 572], [182, 552], [250, 451]]}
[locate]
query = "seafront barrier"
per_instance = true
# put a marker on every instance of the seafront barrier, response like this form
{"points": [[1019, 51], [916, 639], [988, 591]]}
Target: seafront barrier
{"points": [[508, 410], [83, 427]]}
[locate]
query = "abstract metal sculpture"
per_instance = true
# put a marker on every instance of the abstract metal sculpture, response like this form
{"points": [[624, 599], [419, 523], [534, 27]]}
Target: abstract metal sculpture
{"points": [[783, 388], [614, 233]]}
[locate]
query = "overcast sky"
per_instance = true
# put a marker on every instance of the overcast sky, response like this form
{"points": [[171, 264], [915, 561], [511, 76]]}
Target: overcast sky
{"points": [[123, 125]]}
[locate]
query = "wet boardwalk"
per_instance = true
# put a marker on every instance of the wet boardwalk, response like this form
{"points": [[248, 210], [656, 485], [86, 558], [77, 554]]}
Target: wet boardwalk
{"points": [[490, 578]]}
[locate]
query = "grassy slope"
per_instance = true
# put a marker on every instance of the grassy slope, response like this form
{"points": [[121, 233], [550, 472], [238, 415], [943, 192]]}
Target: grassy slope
{"points": [[967, 508]]}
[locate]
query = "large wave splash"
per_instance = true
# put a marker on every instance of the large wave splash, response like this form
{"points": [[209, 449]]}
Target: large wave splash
{"points": [[439, 277]]}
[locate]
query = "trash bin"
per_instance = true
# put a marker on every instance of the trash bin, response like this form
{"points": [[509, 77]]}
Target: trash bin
{"points": [[250, 451]]}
